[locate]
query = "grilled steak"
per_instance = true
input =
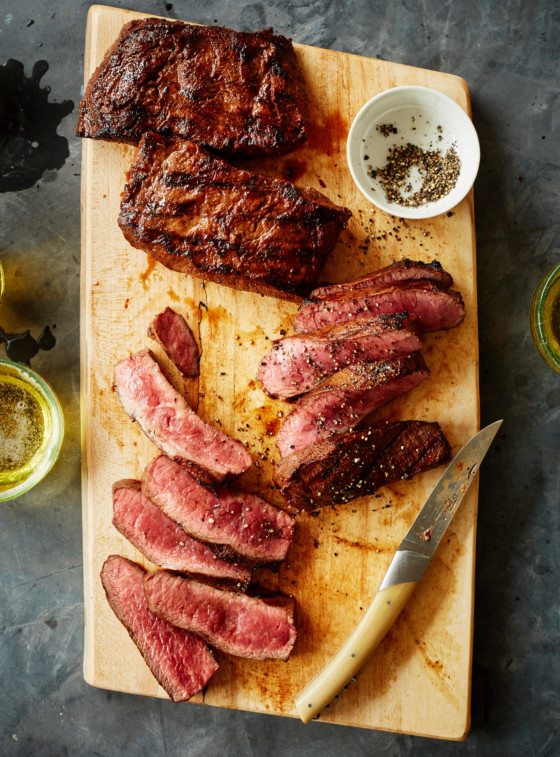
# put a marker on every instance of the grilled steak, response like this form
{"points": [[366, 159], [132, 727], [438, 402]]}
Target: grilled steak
{"points": [[167, 420], [172, 332], [228, 620], [236, 525], [296, 364], [437, 307], [180, 661], [351, 465], [239, 94], [345, 398], [198, 215], [402, 270], [162, 541]]}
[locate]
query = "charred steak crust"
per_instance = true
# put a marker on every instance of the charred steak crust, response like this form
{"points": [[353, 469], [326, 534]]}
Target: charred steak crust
{"points": [[231, 621], [436, 306], [401, 270], [351, 465], [297, 364], [198, 215], [239, 94], [180, 661], [163, 541], [346, 398]]}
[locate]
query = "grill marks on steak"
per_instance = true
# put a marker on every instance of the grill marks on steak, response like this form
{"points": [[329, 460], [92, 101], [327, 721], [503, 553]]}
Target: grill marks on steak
{"points": [[167, 420], [401, 270], [236, 525], [231, 621], [197, 214], [170, 330], [180, 661], [346, 398], [240, 94], [164, 542], [351, 465], [296, 364], [435, 306]]}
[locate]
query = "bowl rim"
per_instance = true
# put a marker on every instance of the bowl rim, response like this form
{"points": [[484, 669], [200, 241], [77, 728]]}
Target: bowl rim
{"points": [[52, 449], [536, 317], [422, 211]]}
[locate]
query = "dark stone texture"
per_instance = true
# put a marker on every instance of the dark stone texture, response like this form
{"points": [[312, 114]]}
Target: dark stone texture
{"points": [[508, 52]]}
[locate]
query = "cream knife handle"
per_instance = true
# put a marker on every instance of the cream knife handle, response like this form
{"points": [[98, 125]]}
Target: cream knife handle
{"points": [[368, 634]]}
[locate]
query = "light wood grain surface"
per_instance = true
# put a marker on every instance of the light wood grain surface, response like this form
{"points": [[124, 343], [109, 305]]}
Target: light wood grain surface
{"points": [[418, 680]]}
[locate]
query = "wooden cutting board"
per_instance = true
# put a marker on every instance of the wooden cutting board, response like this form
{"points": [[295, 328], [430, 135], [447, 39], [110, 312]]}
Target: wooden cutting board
{"points": [[418, 681]]}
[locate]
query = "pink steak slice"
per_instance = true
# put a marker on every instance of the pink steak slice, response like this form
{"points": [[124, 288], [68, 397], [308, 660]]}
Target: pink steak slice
{"points": [[180, 661], [234, 622], [167, 420]]}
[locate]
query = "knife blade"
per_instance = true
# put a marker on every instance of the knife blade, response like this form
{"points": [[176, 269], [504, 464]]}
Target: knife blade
{"points": [[406, 569]]}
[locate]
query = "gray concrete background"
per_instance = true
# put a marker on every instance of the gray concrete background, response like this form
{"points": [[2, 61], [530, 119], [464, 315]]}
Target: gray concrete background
{"points": [[508, 52]]}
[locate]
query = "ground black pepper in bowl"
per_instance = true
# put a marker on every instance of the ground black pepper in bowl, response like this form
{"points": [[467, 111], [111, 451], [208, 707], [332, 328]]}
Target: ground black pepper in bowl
{"points": [[439, 174], [386, 129]]}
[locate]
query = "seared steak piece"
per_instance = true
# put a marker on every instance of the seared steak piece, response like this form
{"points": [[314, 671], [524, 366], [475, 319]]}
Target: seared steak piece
{"points": [[172, 332], [351, 465], [236, 525], [180, 661], [162, 541], [296, 364], [402, 270], [345, 398], [198, 215], [167, 420], [437, 307], [234, 622], [239, 94]]}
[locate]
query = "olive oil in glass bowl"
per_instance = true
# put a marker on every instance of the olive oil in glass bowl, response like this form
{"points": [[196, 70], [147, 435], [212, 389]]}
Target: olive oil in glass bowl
{"points": [[545, 317], [31, 429]]}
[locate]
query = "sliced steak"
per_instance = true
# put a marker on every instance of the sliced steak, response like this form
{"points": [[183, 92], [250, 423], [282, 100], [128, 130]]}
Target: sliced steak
{"points": [[198, 215], [164, 542], [180, 661], [346, 398], [237, 525], [234, 622], [172, 332], [350, 465], [402, 270], [240, 94], [296, 364], [437, 307], [167, 420]]}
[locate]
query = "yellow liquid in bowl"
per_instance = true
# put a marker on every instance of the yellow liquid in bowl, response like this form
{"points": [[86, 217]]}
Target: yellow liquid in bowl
{"points": [[23, 429], [551, 317], [31, 429]]}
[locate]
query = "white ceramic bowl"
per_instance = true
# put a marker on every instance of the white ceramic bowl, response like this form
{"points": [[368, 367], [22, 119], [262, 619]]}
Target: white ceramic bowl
{"points": [[424, 117]]}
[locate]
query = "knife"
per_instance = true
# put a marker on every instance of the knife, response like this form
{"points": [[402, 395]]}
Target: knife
{"points": [[406, 569]]}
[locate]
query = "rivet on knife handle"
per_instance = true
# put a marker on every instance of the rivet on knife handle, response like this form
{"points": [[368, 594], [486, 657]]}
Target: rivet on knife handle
{"points": [[368, 634]]}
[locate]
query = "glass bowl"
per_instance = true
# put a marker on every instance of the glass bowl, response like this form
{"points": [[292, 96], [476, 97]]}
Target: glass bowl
{"points": [[425, 118], [31, 429], [545, 317]]}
